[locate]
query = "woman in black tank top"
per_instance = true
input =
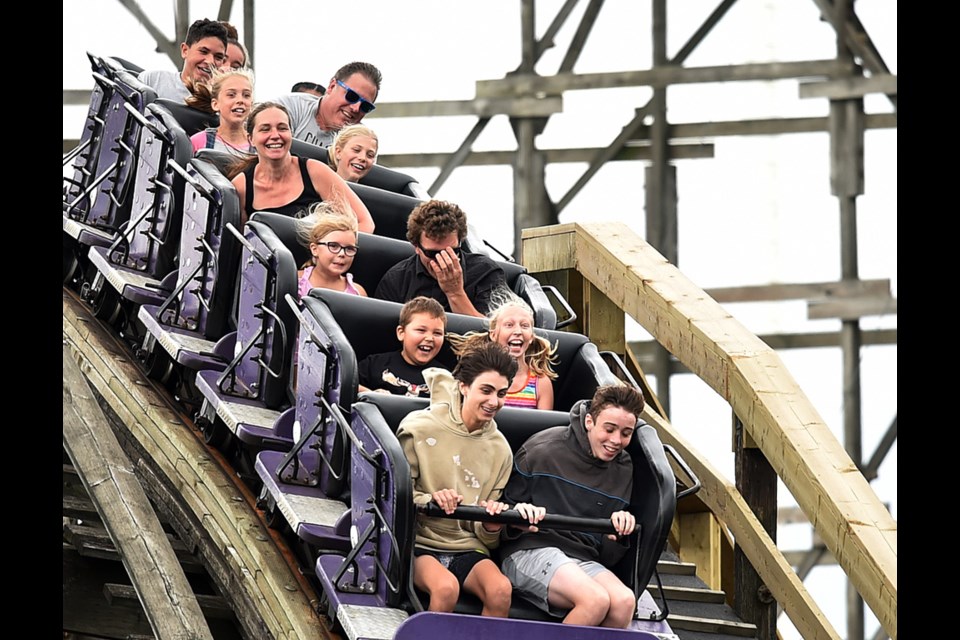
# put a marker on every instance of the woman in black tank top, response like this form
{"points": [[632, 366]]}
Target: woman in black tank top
{"points": [[282, 183]]}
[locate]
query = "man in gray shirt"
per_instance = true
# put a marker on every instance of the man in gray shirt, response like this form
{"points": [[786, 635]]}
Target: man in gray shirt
{"points": [[349, 96], [203, 51]]}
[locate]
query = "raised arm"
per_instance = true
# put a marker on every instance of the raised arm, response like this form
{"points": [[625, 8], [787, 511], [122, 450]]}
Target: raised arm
{"points": [[333, 188]]}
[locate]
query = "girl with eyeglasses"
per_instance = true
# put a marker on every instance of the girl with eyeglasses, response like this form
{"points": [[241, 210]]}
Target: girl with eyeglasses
{"points": [[330, 233]]}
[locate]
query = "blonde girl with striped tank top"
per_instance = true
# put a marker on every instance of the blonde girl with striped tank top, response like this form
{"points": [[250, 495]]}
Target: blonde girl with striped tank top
{"points": [[511, 326]]}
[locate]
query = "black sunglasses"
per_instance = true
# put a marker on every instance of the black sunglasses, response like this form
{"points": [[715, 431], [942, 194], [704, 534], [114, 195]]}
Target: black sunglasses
{"points": [[432, 253], [353, 98]]}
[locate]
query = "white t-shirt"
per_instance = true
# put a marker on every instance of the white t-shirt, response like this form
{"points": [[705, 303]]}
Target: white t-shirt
{"points": [[303, 118]]}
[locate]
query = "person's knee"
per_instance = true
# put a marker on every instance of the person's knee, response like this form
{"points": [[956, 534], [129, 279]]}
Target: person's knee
{"points": [[593, 602], [623, 602], [444, 594], [499, 594]]}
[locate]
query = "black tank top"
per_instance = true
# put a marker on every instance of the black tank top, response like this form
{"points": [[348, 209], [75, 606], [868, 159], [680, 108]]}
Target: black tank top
{"points": [[307, 197]]}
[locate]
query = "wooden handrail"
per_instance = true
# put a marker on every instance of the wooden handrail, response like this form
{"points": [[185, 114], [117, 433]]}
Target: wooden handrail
{"points": [[778, 417]]}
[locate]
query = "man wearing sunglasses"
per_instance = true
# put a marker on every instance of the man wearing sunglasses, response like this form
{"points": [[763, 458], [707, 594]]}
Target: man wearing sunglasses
{"points": [[441, 268], [349, 96]]}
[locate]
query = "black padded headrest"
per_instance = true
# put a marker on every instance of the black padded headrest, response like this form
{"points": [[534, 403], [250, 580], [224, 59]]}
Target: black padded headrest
{"points": [[192, 120], [389, 179], [377, 254], [389, 210], [516, 424], [222, 160], [285, 228], [302, 149]]}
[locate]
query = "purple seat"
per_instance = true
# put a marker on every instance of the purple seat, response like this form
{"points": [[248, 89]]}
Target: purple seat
{"points": [[143, 255], [97, 200], [199, 311]]}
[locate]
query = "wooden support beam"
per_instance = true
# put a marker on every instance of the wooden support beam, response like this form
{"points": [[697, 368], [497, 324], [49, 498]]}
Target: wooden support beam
{"points": [[801, 448], [85, 611], [852, 309], [486, 158], [529, 84], [164, 45], [801, 291], [151, 563], [700, 545], [847, 88], [522, 107], [763, 127]]}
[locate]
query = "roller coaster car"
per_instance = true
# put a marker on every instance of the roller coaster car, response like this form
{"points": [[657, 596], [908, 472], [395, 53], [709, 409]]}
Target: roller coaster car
{"points": [[338, 330], [96, 199], [134, 267], [369, 590], [198, 312]]}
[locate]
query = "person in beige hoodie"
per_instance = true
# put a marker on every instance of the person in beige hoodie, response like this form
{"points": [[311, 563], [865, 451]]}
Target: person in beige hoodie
{"points": [[457, 456]]}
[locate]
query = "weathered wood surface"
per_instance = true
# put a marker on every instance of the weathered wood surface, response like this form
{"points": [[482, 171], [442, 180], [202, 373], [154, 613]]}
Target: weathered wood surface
{"points": [[166, 596], [530, 84], [842, 506], [283, 606]]}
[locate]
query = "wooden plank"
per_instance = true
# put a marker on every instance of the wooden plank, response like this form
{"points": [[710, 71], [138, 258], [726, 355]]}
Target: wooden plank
{"points": [[762, 127], [700, 545], [253, 569], [846, 88], [678, 151], [777, 341], [688, 594], [529, 84], [853, 309], [710, 625], [523, 107], [85, 611], [167, 597], [801, 291], [212, 606], [750, 376]]}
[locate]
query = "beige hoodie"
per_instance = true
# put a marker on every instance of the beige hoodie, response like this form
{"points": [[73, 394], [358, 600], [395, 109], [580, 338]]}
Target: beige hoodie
{"points": [[444, 455]]}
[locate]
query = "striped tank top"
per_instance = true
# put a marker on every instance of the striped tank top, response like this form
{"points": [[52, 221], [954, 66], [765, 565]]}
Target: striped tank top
{"points": [[526, 397]]}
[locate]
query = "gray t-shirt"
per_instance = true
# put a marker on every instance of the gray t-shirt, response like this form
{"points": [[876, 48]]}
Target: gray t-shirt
{"points": [[303, 118], [167, 84]]}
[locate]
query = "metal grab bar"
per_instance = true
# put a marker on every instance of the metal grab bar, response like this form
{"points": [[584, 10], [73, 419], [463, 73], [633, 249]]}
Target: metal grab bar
{"points": [[686, 470], [571, 314]]}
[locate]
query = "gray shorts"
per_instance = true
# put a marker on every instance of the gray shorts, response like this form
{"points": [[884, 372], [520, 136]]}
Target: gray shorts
{"points": [[531, 570]]}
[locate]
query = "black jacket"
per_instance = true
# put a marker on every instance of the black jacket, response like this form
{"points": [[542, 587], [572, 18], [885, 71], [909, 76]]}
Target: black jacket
{"points": [[556, 470]]}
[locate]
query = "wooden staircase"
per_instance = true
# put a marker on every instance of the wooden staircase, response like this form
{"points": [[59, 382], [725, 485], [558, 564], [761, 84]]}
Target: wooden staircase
{"points": [[696, 612]]}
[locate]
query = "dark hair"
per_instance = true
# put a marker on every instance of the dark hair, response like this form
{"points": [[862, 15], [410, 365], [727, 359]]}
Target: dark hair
{"points": [[436, 219], [206, 29], [628, 398], [422, 304], [485, 357], [302, 87], [232, 33], [236, 168], [365, 69]]}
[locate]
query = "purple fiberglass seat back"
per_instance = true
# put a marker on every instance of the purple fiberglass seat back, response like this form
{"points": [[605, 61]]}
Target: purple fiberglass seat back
{"points": [[84, 156], [383, 481], [105, 201], [149, 242], [209, 254], [266, 327]]}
